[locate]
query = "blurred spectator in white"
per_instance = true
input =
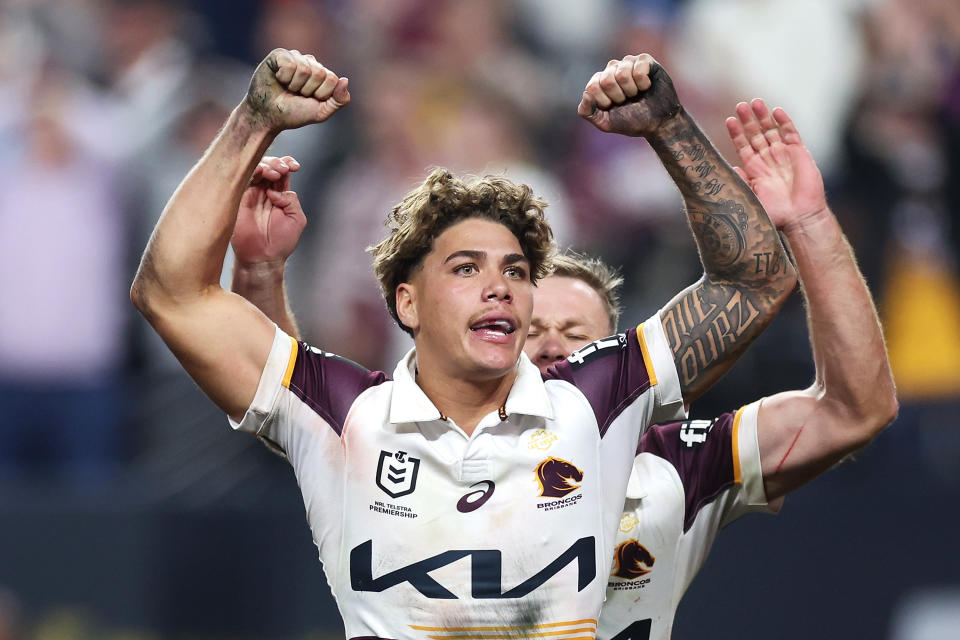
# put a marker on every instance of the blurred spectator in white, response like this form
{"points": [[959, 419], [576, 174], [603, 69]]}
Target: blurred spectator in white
{"points": [[807, 56], [571, 35], [68, 33], [148, 67], [64, 281], [23, 50]]}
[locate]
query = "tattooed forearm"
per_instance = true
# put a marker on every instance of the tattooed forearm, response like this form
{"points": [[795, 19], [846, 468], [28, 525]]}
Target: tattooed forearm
{"points": [[728, 222], [706, 325], [746, 274]]}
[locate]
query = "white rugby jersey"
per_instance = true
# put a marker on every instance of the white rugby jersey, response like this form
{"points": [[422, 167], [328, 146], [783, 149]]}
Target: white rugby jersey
{"points": [[689, 480], [427, 533]]}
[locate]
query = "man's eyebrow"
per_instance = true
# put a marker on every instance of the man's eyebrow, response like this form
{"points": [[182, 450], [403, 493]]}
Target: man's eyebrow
{"points": [[473, 254], [513, 258]]}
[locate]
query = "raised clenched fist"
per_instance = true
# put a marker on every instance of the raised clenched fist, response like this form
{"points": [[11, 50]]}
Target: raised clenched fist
{"points": [[290, 89], [633, 96]]}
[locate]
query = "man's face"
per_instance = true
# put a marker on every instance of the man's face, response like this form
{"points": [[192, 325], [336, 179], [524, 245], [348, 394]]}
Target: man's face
{"points": [[567, 314], [469, 304]]}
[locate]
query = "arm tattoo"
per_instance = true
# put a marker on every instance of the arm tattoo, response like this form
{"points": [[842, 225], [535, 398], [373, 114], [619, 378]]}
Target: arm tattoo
{"points": [[707, 325], [746, 273]]}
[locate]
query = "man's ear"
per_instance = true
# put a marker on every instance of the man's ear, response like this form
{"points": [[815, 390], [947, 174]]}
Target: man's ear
{"points": [[407, 305]]}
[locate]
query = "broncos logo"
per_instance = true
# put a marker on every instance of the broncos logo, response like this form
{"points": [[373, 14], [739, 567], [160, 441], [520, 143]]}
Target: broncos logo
{"points": [[629, 558], [557, 478]]}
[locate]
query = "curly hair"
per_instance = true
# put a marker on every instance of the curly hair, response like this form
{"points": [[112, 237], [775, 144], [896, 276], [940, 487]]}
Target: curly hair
{"points": [[440, 202], [603, 278]]}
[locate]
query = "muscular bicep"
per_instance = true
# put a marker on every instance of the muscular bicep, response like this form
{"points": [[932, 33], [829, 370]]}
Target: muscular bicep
{"points": [[708, 327], [222, 341], [802, 434]]}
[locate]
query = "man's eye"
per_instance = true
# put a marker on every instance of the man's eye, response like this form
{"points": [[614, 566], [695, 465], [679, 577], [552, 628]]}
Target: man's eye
{"points": [[466, 270], [533, 334], [516, 272], [576, 337]]}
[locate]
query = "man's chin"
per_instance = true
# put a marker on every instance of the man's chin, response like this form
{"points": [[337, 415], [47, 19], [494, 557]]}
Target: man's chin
{"points": [[496, 365]]}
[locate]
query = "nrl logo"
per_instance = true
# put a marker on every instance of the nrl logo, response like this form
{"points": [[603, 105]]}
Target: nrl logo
{"points": [[628, 522], [397, 473]]}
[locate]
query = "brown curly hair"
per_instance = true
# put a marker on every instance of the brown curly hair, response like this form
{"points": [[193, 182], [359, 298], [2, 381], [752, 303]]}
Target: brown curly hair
{"points": [[603, 278], [445, 199]]}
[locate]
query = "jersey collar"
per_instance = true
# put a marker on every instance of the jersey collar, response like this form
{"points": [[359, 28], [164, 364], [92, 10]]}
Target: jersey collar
{"points": [[408, 402], [529, 395]]}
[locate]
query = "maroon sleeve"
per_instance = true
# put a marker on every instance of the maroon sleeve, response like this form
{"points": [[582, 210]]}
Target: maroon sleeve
{"points": [[329, 384], [611, 373], [702, 453]]}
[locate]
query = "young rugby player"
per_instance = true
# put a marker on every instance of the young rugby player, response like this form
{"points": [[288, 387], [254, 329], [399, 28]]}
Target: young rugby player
{"points": [[465, 494]]}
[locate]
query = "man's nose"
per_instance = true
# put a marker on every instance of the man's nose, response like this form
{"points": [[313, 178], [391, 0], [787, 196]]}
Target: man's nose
{"points": [[497, 288], [553, 350]]}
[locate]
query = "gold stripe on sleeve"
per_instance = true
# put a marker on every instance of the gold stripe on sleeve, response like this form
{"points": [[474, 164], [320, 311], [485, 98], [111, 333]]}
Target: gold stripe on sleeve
{"points": [[293, 360], [735, 447], [651, 374]]}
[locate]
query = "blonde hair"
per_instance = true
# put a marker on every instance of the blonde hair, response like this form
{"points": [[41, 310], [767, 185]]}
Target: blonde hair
{"points": [[603, 278], [443, 200]]}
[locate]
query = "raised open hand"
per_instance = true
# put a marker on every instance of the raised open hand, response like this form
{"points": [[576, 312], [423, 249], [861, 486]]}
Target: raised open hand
{"points": [[270, 219], [776, 164], [633, 96], [290, 89]]}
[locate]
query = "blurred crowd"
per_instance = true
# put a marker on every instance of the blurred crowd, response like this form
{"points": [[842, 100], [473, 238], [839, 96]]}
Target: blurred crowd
{"points": [[105, 105]]}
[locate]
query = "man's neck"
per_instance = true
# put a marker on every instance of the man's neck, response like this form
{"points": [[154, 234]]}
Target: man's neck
{"points": [[462, 400]]}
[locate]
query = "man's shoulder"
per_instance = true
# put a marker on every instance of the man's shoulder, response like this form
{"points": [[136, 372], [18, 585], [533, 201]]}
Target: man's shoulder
{"points": [[327, 383], [611, 373]]}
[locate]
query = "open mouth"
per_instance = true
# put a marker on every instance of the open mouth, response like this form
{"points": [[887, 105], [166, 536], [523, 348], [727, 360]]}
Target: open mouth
{"points": [[499, 326]]}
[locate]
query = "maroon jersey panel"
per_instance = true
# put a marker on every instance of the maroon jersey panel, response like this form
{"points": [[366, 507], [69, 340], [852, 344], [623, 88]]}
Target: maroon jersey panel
{"points": [[611, 373], [329, 384], [702, 453]]}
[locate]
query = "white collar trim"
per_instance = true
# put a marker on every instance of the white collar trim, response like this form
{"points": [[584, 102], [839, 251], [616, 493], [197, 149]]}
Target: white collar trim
{"points": [[408, 402]]}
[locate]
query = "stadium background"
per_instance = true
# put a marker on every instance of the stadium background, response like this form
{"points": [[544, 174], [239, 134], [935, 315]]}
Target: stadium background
{"points": [[128, 509]]}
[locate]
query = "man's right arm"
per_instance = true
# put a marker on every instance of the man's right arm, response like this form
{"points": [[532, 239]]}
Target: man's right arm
{"points": [[801, 434], [221, 340]]}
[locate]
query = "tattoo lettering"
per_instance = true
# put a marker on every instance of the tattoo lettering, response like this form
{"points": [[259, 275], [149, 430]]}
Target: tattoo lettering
{"points": [[703, 169], [696, 152], [714, 187], [769, 262], [706, 325]]}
